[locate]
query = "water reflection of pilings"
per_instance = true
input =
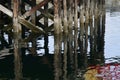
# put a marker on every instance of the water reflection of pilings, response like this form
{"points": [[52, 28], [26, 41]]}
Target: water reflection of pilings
{"points": [[97, 35], [88, 34], [57, 41]]}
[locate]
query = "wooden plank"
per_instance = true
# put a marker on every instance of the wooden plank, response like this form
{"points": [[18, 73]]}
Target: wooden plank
{"points": [[48, 15], [30, 25], [6, 11], [22, 20], [5, 52], [28, 13]]}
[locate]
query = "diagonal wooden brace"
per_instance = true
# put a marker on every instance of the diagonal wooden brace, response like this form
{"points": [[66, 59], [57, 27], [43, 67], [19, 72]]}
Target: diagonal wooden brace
{"points": [[38, 6], [22, 20], [30, 25], [6, 11]]}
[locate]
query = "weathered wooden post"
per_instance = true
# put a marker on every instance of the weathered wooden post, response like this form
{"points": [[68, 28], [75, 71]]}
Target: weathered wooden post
{"points": [[92, 23], [75, 35], [57, 40], [46, 27], [91, 15], [82, 20], [17, 41], [102, 32], [91, 29], [86, 32], [103, 16], [65, 57], [70, 36], [65, 37], [33, 20], [65, 22], [56, 17], [96, 30], [96, 16], [99, 37], [96, 41]]}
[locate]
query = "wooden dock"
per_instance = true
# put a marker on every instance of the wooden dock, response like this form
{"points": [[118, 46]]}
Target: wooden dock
{"points": [[75, 23]]}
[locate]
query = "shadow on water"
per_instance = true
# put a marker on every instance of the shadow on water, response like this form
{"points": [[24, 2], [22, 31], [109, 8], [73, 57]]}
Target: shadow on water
{"points": [[72, 53]]}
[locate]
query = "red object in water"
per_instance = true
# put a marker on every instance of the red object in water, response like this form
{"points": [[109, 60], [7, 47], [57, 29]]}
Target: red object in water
{"points": [[109, 72]]}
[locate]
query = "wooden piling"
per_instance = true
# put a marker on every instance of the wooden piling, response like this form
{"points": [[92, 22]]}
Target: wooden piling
{"points": [[81, 27], [17, 39], [75, 35], [56, 17], [65, 16], [65, 38], [86, 32], [91, 21], [33, 20], [71, 37], [103, 21], [65, 22], [46, 39], [57, 57], [65, 57], [56, 40]]}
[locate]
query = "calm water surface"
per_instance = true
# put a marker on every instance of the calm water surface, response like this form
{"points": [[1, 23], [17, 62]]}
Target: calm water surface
{"points": [[112, 39]]}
